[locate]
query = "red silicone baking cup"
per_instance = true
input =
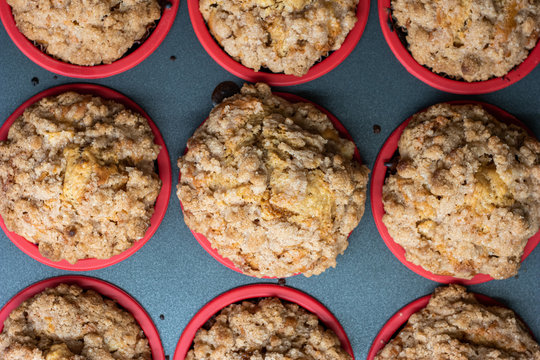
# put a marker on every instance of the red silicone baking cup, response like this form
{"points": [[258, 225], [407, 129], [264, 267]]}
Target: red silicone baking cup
{"points": [[377, 181], [236, 68], [441, 82], [253, 292], [104, 288], [203, 241], [163, 162], [395, 323], [90, 72]]}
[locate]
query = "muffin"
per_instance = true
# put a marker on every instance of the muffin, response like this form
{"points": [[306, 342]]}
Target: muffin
{"points": [[85, 32], [272, 185], [78, 179], [69, 323], [454, 325], [287, 36], [465, 198], [266, 329], [469, 40]]}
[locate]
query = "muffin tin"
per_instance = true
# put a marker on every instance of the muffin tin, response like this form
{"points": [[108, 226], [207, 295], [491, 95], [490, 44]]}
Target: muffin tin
{"points": [[176, 278], [163, 165]]}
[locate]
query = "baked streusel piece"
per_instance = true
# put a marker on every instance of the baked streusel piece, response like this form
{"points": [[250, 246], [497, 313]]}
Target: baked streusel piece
{"points": [[77, 175], [69, 323], [272, 185], [454, 325], [282, 35], [466, 195], [266, 329], [85, 32], [470, 40]]}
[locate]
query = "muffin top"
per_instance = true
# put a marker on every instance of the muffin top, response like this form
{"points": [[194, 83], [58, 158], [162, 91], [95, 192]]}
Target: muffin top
{"points": [[69, 323], [454, 325], [85, 32], [266, 329], [466, 195], [78, 178], [272, 185], [282, 35], [469, 40]]}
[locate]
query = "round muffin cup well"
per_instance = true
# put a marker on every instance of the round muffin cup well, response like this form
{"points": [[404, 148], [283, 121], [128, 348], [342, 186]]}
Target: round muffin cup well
{"points": [[104, 288], [378, 178], [443, 83], [60, 67], [164, 171], [399, 319], [255, 292], [236, 68], [203, 241]]}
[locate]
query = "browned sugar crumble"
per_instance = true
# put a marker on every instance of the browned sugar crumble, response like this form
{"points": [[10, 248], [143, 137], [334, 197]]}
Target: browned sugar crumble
{"points": [[470, 40], [272, 185], [455, 326], [287, 36], [85, 32], [267, 329], [466, 196], [69, 323], [78, 179]]}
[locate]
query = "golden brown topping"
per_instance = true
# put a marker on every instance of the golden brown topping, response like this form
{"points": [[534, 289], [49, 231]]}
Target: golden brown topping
{"points": [[272, 185], [78, 177], [466, 196]]}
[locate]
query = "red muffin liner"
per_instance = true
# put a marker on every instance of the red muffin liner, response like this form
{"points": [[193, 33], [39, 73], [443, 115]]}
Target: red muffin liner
{"points": [[377, 181], [104, 288], [59, 67], [253, 292], [203, 241], [163, 163], [443, 83], [393, 326], [236, 68]]}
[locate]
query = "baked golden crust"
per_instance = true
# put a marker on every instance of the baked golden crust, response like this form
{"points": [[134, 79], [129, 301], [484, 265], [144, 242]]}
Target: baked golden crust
{"points": [[69, 323], [85, 32], [272, 185], [78, 178], [471, 40], [282, 35], [266, 329], [455, 326], [466, 195]]}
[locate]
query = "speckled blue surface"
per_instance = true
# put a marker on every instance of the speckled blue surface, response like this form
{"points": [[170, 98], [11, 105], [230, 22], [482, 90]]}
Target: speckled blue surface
{"points": [[172, 275]]}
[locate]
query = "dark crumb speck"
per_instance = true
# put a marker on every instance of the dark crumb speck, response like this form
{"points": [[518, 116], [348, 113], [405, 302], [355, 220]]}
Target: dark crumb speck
{"points": [[392, 164], [224, 90], [55, 77], [376, 129], [35, 81], [173, 58], [72, 232], [166, 357], [162, 317], [282, 282]]}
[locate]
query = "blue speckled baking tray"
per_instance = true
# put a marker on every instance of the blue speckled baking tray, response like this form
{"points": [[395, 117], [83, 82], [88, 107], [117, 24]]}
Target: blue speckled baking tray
{"points": [[172, 275]]}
